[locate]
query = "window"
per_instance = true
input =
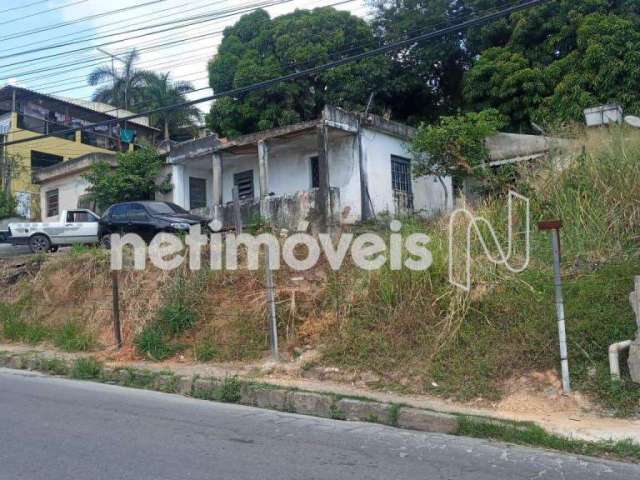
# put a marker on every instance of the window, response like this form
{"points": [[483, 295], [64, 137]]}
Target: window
{"points": [[165, 208], [118, 213], [315, 172], [136, 213], [244, 182], [401, 174], [197, 192], [80, 217], [42, 160], [52, 203]]}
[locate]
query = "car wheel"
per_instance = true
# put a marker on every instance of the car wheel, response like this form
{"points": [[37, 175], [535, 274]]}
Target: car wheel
{"points": [[105, 242], [39, 244]]}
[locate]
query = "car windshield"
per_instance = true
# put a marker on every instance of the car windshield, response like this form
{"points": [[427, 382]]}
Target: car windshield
{"points": [[164, 208]]}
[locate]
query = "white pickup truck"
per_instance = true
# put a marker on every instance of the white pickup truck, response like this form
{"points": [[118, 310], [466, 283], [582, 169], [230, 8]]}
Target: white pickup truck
{"points": [[74, 227]]}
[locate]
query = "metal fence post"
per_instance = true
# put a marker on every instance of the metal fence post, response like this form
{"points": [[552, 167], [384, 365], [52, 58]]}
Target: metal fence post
{"points": [[271, 306], [553, 226], [236, 210], [116, 309]]}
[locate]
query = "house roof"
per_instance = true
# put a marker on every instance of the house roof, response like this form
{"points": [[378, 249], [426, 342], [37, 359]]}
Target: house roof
{"points": [[331, 116], [6, 93]]}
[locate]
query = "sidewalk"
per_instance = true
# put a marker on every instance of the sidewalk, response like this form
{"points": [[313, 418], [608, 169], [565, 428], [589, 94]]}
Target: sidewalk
{"points": [[563, 416]]}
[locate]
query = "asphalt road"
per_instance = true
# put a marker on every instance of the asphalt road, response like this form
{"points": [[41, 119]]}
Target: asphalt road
{"points": [[7, 251], [62, 429]]}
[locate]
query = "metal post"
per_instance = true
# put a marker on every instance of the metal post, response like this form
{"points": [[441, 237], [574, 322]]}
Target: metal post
{"points": [[562, 334], [236, 210], [271, 305], [116, 309]]}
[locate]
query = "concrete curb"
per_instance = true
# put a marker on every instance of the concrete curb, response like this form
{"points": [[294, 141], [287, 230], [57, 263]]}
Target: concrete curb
{"points": [[235, 390]]}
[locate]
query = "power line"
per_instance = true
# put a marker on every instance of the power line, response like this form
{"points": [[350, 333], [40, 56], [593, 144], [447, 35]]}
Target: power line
{"points": [[57, 26], [22, 7], [43, 12], [207, 18], [309, 71]]}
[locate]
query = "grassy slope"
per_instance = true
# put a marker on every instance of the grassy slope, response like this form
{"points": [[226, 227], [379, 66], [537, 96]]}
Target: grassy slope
{"points": [[411, 328]]}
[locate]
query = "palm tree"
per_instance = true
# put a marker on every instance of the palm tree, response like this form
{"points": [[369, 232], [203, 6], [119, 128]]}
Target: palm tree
{"points": [[160, 91], [122, 87]]}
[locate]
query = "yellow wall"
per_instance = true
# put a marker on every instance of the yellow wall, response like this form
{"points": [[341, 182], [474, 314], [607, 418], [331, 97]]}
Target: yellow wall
{"points": [[52, 145]]}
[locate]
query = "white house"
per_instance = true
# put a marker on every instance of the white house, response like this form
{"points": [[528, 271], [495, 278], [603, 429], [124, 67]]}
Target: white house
{"points": [[345, 165]]}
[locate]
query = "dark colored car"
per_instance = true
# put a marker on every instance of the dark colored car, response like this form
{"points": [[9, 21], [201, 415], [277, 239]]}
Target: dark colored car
{"points": [[146, 218]]}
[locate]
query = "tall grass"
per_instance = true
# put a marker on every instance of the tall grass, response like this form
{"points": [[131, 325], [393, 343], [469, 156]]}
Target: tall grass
{"points": [[420, 334]]}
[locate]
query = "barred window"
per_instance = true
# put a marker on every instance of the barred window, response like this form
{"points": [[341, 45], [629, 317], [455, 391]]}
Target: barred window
{"points": [[244, 182], [52, 203], [401, 174]]}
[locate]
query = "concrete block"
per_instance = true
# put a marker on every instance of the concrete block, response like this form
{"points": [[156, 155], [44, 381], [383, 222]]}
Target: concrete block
{"points": [[363, 411], [426, 421], [185, 385], [311, 403], [4, 359], [273, 398], [16, 362], [634, 360]]}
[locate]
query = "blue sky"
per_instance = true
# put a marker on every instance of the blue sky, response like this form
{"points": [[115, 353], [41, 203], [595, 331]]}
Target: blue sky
{"points": [[65, 74]]}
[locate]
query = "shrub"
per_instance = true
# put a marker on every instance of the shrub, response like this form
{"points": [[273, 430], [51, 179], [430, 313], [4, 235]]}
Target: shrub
{"points": [[86, 368], [72, 338], [230, 390], [152, 341]]}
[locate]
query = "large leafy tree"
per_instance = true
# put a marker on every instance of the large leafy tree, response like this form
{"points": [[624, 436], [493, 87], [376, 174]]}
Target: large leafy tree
{"points": [[160, 91], [427, 77], [547, 64], [137, 177], [120, 83], [259, 48]]}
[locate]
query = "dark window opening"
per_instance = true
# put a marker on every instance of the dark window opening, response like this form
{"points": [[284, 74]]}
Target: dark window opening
{"points": [[52, 203], [118, 213], [244, 182], [42, 160], [315, 172], [197, 193], [401, 174], [136, 213], [80, 217]]}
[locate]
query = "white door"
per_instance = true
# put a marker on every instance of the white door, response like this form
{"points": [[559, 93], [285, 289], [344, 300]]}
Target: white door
{"points": [[80, 226]]}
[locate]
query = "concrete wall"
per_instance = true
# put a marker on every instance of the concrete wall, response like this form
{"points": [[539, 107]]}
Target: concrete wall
{"points": [[52, 145], [70, 189], [378, 148], [429, 197]]}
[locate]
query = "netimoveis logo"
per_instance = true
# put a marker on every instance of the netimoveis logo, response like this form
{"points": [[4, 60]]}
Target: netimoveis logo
{"points": [[469, 223]]}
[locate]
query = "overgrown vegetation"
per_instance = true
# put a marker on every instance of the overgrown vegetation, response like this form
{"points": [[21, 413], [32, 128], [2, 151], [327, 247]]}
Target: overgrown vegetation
{"points": [[7, 205], [136, 178], [86, 369], [419, 334], [535, 436]]}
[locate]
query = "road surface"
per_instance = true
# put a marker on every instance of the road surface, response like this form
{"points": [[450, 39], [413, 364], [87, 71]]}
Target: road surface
{"points": [[7, 251], [54, 428]]}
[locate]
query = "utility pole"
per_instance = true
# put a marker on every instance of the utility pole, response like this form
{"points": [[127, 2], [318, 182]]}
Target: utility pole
{"points": [[126, 86]]}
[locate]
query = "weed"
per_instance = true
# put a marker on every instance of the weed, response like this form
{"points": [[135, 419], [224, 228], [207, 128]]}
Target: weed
{"points": [[86, 369], [73, 338], [394, 413], [336, 414], [231, 390], [205, 350], [152, 341], [533, 435], [56, 366]]}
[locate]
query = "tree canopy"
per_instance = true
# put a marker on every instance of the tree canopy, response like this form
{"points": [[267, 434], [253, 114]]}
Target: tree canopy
{"points": [[138, 177], [258, 48]]}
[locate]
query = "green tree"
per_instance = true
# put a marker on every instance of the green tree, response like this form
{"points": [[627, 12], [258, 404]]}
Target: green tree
{"points": [[549, 63], [138, 176], [7, 205], [258, 48], [160, 91], [455, 145], [426, 78], [121, 87]]}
